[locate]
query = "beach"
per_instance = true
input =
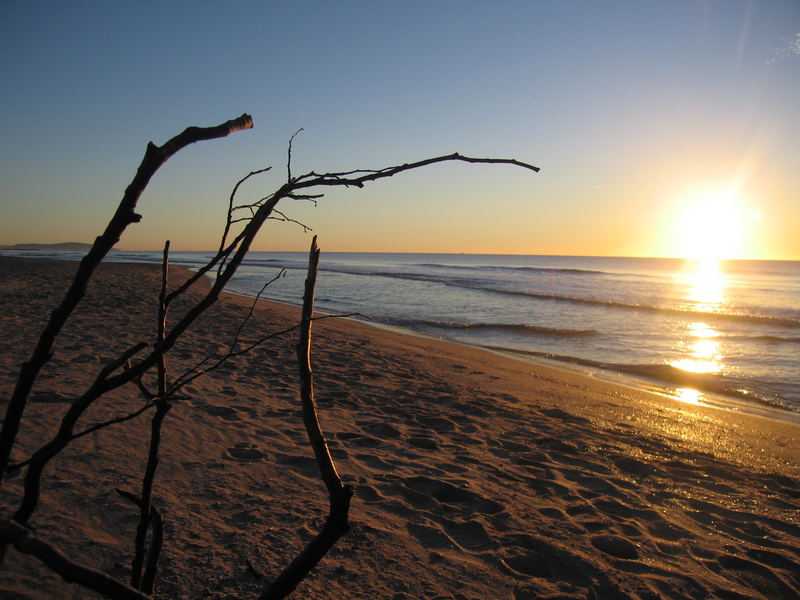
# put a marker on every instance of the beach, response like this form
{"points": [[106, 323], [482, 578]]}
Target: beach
{"points": [[475, 475]]}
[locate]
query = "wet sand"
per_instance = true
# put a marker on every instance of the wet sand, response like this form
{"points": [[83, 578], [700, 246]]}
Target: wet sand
{"points": [[476, 476]]}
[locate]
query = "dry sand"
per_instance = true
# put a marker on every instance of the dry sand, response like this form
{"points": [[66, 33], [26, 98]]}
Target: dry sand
{"points": [[476, 476]]}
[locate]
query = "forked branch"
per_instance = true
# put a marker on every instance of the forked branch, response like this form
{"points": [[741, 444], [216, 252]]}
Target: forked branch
{"points": [[339, 494]]}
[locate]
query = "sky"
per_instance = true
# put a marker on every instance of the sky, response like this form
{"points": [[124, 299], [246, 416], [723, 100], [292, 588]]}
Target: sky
{"points": [[662, 128]]}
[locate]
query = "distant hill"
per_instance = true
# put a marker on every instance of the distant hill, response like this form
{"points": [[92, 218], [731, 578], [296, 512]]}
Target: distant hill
{"points": [[68, 246]]}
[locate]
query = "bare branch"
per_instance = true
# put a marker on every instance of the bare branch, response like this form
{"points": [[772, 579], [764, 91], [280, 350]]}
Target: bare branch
{"points": [[336, 523], [345, 179], [125, 214], [282, 217], [308, 197], [289, 159], [13, 468], [281, 273], [24, 541], [64, 436], [230, 204], [197, 368], [156, 542], [163, 406]]}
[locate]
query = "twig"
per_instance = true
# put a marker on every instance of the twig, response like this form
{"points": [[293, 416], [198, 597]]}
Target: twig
{"points": [[244, 321], [285, 219], [13, 468], [230, 204], [196, 372], [289, 159]]}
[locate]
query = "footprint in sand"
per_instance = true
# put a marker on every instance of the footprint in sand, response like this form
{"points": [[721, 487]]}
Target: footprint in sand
{"points": [[224, 412], [447, 493], [526, 564], [431, 538], [379, 428], [615, 546], [470, 535], [438, 424], [245, 452], [757, 576], [423, 443]]}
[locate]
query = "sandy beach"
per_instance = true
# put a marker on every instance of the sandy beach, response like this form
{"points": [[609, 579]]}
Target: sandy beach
{"points": [[476, 476]]}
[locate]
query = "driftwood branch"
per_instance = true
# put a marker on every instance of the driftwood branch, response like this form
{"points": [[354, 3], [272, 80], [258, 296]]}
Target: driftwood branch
{"points": [[227, 260], [24, 541], [154, 157], [63, 437], [360, 177], [163, 405], [339, 494]]}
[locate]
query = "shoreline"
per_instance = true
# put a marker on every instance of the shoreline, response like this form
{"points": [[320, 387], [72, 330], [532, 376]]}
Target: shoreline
{"points": [[476, 475], [704, 398]]}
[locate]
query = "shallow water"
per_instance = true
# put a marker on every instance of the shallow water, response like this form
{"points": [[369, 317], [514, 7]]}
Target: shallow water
{"points": [[730, 328]]}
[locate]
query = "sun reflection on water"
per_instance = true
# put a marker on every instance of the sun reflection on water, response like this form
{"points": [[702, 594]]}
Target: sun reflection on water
{"points": [[704, 290], [704, 286], [688, 395]]}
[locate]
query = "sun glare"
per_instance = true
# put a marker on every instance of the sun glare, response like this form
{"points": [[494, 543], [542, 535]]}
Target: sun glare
{"points": [[712, 225]]}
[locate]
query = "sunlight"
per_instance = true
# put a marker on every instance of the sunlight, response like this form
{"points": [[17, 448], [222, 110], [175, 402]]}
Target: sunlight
{"points": [[704, 352], [705, 284], [688, 395], [703, 292], [712, 225]]}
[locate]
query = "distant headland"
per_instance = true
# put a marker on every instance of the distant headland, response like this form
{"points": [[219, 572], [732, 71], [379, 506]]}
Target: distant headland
{"points": [[60, 246]]}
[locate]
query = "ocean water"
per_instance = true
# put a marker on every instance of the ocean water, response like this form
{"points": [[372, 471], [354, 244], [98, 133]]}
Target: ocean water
{"points": [[725, 333]]}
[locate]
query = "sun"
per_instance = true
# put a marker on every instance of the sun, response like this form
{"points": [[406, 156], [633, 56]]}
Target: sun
{"points": [[712, 225]]}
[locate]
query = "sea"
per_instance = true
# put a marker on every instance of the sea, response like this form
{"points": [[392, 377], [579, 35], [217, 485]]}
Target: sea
{"points": [[720, 333]]}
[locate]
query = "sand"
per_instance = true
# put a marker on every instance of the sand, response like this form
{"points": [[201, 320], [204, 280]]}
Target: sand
{"points": [[476, 476]]}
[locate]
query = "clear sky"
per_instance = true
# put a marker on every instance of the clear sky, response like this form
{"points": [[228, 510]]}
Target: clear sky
{"points": [[661, 128]]}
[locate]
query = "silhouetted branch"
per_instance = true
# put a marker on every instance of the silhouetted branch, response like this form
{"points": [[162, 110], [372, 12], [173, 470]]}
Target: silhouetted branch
{"points": [[345, 179], [289, 159], [163, 406], [154, 157], [310, 197], [148, 395], [13, 468], [285, 219], [230, 204], [336, 523], [153, 556], [197, 369], [63, 437], [24, 541]]}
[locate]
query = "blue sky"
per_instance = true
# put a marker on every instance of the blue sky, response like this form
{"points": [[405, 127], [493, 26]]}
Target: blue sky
{"points": [[631, 109]]}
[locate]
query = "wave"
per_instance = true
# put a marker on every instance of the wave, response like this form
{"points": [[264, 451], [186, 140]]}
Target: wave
{"points": [[507, 327], [736, 387], [688, 313], [694, 314], [776, 339], [514, 269]]}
